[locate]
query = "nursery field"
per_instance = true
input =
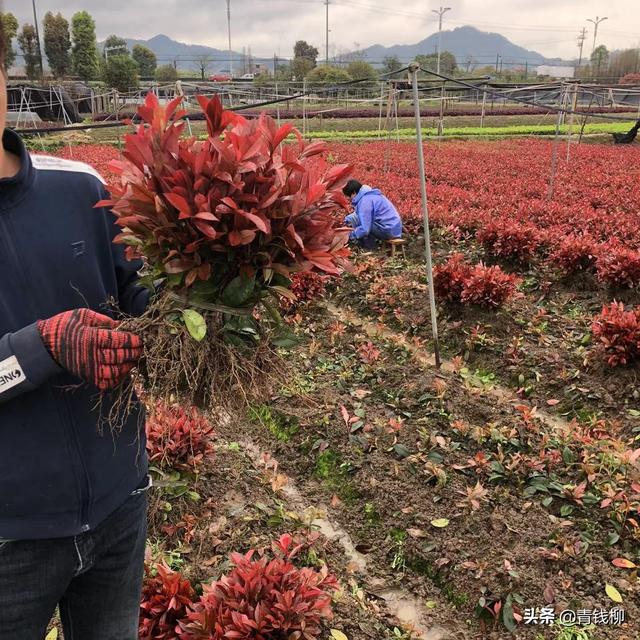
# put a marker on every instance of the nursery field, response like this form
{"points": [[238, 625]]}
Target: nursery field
{"points": [[495, 497]]}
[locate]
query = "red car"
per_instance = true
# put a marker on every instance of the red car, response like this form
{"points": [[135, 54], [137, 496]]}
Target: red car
{"points": [[220, 77]]}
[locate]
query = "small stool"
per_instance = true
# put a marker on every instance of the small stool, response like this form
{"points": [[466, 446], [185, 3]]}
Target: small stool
{"points": [[394, 243]]}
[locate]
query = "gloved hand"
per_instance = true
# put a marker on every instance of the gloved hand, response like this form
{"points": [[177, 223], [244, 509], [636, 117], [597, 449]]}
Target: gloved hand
{"points": [[89, 345]]}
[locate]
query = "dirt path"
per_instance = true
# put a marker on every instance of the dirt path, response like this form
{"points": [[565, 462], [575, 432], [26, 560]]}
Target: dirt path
{"points": [[401, 604], [426, 360]]}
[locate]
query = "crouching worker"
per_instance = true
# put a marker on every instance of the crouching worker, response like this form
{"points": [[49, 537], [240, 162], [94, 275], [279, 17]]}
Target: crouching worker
{"points": [[375, 218]]}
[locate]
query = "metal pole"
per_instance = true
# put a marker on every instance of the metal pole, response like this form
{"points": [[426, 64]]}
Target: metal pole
{"points": [[381, 99], [35, 21], [581, 38], [229, 30], [304, 106], [326, 51], [441, 11], [554, 155], [574, 103], [484, 106], [595, 22], [441, 120], [414, 67]]}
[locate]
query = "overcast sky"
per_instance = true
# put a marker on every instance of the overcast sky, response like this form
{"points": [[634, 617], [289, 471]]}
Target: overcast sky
{"points": [[272, 26]]}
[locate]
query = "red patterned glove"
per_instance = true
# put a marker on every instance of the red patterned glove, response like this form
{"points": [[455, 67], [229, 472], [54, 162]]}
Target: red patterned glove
{"points": [[89, 345]]}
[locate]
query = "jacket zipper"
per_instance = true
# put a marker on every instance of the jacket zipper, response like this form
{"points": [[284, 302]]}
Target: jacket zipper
{"points": [[8, 241]]}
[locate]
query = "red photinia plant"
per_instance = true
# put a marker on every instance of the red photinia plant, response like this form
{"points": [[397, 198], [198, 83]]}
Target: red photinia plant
{"points": [[618, 266], [488, 286], [239, 203], [459, 281], [449, 278], [177, 437], [305, 286], [263, 599], [618, 331], [575, 253], [166, 598], [510, 240]]}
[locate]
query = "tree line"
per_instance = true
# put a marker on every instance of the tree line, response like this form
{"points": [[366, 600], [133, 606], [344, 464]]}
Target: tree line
{"points": [[72, 49]]}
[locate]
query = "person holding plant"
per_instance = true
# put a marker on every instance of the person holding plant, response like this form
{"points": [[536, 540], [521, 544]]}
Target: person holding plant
{"points": [[72, 497], [375, 218]]}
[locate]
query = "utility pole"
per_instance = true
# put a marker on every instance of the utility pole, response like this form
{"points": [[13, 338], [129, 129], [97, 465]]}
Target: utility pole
{"points": [[581, 38], [229, 30], [35, 22], [596, 22], [497, 61], [326, 50], [441, 11]]}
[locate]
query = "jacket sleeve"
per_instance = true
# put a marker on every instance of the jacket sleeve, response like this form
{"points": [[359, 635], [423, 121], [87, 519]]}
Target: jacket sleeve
{"points": [[364, 209], [132, 297], [25, 363]]}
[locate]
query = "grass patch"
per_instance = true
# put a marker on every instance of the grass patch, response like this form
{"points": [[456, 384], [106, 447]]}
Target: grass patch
{"points": [[279, 425]]}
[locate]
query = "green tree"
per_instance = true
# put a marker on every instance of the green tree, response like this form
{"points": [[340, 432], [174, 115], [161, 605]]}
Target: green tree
{"points": [[391, 64], [361, 70], [120, 72], [10, 29], [304, 59], [302, 49], [624, 62], [146, 60], [57, 43], [166, 73], [327, 73], [599, 59], [448, 64], [115, 46], [28, 43], [84, 54]]}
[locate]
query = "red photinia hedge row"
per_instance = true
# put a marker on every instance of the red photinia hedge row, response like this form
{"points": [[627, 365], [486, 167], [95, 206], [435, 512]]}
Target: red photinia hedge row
{"points": [[618, 332], [459, 281], [261, 598], [475, 186], [178, 438], [239, 202]]}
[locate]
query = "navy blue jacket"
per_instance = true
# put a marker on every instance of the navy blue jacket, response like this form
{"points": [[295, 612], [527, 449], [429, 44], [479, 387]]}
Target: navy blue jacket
{"points": [[59, 475]]}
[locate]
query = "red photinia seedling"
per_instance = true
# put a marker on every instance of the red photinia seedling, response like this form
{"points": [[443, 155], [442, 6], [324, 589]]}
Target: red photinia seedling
{"points": [[459, 281], [178, 438], [263, 597], [618, 332], [166, 598]]}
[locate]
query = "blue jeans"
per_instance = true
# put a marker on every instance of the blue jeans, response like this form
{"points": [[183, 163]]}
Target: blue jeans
{"points": [[95, 578]]}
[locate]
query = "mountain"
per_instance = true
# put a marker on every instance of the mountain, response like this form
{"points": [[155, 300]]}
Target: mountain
{"points": [[168, 50], [465, 43]]}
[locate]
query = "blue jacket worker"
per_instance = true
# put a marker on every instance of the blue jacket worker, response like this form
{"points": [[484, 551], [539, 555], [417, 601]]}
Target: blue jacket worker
{"points": [[72, 497], [375, 218]]}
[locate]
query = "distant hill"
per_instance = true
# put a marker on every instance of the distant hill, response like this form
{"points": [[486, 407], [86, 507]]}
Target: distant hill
{"points": [[168, 50], [466, 43]]}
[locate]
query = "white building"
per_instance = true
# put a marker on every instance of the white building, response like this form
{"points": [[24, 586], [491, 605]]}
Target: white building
{"points": [[555, 72]]}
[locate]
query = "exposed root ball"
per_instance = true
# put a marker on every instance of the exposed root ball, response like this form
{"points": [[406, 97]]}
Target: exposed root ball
{"points": [[206, 374]]}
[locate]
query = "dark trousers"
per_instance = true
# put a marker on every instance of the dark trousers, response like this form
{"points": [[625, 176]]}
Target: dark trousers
{"points": [[95, 578]]}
